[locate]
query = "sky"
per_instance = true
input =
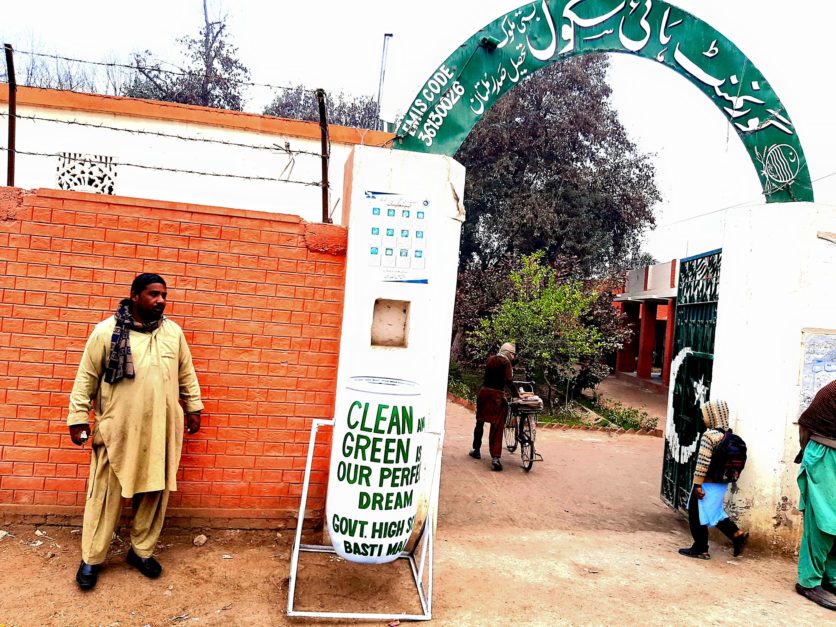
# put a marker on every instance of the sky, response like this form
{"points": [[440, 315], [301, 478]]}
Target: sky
{"points": [[702, 168]]}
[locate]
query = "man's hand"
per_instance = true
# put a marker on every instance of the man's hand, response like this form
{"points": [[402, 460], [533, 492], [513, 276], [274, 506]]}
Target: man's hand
{"points": [[192, 423], [699, 491], [79, 434], [803, 439], [803, 436]]}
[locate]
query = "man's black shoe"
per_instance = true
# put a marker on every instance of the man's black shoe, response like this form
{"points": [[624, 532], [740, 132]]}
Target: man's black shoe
{"points": [[828, 586], [475, 454], [817, 595], [148, 566], [87, 575], [496, 465]]}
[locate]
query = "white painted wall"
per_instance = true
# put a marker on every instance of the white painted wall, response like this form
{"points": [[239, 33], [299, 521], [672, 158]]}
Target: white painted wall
{"points": [[635, 281], [777, 278], [658, 281], [659, 277], [47, 137]]}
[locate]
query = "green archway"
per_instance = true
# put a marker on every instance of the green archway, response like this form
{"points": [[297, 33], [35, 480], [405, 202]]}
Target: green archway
{"points": [[521, 42]]}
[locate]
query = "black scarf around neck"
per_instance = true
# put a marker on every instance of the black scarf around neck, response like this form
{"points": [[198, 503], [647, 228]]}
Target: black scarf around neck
{"points": [[120, 365]]}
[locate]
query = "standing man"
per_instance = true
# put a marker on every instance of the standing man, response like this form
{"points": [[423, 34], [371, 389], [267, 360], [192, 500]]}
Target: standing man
{"points": [[491, 403], [817, 484], [135, 369]]}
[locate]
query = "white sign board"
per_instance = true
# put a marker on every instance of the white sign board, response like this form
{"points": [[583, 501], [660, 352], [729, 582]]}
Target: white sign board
{"points": [[818, 365]]}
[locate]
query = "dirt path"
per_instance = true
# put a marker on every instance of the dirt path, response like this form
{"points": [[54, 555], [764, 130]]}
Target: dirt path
{"points": [[582, 539], [632, 395]]}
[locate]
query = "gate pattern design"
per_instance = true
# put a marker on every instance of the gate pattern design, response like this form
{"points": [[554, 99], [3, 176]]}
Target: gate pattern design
{"points": [[691, 372]]}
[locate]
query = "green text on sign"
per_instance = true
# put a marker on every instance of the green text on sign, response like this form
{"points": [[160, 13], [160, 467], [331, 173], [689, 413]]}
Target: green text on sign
{"points": [[521, 42]]}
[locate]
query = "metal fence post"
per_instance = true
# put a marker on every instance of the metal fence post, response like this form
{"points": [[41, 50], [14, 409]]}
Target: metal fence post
{"points": [[326, 141], [10, 146]]}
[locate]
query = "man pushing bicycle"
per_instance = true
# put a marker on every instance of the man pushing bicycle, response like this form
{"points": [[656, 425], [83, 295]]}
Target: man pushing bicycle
{"points": [[492, 402]]}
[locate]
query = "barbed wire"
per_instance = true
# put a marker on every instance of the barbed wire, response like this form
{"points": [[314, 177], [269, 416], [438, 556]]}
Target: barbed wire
{"points": [[273, 148], [158, 103], [136, 68], [246, 177]]}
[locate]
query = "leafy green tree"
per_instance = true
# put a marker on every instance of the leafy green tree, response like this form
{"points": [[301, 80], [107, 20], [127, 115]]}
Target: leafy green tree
{"points": [[614, 332], [550, 167], [555, 322], [478, 293], [299, 103]]}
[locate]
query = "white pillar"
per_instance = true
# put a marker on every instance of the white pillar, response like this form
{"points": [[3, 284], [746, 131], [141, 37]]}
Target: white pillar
{"points": [[776, 288], [404, 215]]}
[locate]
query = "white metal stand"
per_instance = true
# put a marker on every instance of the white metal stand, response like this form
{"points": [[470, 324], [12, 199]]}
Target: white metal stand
{"points": [[417, 567]]}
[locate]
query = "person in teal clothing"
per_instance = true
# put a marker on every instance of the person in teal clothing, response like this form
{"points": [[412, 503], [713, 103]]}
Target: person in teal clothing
{"points": [[817, 485]]}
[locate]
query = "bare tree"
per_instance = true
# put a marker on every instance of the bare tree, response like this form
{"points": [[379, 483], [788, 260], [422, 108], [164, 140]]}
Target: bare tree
{"points": [[53, 73], [211, 76]]}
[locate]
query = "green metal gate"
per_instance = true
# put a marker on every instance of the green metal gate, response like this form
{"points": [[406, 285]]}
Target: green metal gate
{"points": [[696, 320]]}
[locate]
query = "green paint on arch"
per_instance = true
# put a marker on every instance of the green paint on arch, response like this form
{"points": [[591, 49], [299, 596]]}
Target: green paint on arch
{"points": [[521, 42]]}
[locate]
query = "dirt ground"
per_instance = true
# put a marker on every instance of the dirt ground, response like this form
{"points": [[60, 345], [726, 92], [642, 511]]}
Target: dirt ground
{"points": [[632, 395], [582, 539]]}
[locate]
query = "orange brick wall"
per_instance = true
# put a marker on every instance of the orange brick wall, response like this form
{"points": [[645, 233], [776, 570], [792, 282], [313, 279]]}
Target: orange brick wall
{"points": [[259, 297]]}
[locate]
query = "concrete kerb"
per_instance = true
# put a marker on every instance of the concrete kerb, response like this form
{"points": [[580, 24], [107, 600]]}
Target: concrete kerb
{"points": [[657, 433]]}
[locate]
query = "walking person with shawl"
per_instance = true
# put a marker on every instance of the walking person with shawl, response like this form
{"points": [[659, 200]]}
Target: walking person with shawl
{"points": [[705, 505], [492, 403], [135, 370], [817, 485]]}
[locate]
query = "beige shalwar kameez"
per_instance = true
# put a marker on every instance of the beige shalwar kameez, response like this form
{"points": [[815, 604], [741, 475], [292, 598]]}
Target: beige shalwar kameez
{"points": [[138, 433]]}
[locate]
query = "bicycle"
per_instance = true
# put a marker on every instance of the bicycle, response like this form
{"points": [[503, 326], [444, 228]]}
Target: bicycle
{"points": [[521, 425]]}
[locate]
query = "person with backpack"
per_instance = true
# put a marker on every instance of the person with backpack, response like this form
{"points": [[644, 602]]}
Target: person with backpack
{"points": [[721, 457], [817, 487]]}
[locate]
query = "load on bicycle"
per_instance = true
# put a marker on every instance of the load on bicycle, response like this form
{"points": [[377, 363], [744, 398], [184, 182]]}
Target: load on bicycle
{"points": [[521, 423], [494, 407]]}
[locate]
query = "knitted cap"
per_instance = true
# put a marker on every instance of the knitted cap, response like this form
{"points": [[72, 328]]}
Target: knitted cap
{"points": [[715, 414]]}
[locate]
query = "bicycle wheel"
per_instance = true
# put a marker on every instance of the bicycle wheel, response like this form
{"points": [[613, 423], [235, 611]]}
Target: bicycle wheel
{"points": [[526, 442], [510, 435]]}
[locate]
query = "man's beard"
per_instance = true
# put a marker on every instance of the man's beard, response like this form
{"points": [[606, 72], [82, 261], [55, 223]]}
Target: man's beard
{"points": [[151, 315]]}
